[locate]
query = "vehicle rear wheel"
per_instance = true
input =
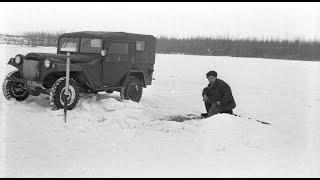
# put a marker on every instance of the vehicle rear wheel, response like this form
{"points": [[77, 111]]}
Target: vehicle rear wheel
{"points": [[14, 89], [57, 94], [133, 89]]}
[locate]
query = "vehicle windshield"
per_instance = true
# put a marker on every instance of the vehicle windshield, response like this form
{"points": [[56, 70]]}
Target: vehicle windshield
{"points": [[87, 45]]}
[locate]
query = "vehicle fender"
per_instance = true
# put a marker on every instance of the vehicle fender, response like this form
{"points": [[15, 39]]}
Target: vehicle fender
{"points": [[136, 73], [18, 66]]}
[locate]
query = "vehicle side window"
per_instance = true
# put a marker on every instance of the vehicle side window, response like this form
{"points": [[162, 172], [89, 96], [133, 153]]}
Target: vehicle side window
{"points": [[89, 45], [140, 45], [118, 48]]}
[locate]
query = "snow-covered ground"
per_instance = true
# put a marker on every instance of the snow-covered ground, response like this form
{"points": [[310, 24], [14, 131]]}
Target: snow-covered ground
{"points": [[104, 137]]}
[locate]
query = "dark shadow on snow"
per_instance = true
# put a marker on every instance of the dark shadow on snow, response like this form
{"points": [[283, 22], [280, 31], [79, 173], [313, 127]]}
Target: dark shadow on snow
{"points": [[182, 118]]}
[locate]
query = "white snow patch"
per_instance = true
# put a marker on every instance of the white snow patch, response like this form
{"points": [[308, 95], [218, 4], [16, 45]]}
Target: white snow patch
{"points": [[105, 137]]}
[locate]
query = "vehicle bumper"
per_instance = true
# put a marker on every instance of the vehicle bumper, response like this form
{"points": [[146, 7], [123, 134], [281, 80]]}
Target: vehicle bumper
{"points": [[34, 86]]}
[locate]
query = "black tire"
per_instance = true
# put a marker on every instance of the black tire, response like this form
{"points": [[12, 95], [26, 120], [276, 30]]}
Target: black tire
{"points": [[133, 89], [12, 89], [57, 94], [109, 91]]}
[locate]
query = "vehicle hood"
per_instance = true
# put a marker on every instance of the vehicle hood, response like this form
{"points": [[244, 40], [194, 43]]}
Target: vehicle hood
{"points": [[77, 58]]}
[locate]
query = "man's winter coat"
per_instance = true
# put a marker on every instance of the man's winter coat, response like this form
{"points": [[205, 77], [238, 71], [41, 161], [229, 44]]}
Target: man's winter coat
{"points": [[220, 91]]}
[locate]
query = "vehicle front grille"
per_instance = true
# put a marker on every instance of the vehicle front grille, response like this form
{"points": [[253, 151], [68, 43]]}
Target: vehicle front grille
{"points": [[30, 69]]}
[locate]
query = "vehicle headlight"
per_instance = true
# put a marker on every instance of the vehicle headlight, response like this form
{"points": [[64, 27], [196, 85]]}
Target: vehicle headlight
{"points": [[47, 63], [17, 59]]}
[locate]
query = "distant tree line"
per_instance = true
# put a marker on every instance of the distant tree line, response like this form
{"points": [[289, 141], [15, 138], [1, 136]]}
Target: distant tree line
{"points": [[32, 38], [42, 38], [297, 49]]}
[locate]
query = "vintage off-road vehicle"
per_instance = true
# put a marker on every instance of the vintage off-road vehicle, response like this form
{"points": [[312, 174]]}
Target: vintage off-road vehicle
{"points": [[99, 61]]}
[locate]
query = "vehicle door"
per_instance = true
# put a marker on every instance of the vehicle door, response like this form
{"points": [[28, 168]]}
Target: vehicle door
{"points": [[91, 47], [117, 63]]}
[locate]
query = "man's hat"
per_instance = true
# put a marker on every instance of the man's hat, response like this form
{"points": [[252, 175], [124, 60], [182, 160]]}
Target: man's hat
{"points": [[212, 73]]}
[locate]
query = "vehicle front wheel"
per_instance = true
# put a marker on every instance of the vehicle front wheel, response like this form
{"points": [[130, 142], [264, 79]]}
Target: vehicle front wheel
{"points": [[14, 89], [133, 89], [57, 94]]}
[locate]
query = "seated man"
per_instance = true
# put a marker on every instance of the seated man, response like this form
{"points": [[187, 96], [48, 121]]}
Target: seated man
{"points": [[217, 96]]}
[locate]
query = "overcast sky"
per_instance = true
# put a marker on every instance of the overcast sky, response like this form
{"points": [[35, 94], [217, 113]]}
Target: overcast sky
{"points": [[236, 19]]}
